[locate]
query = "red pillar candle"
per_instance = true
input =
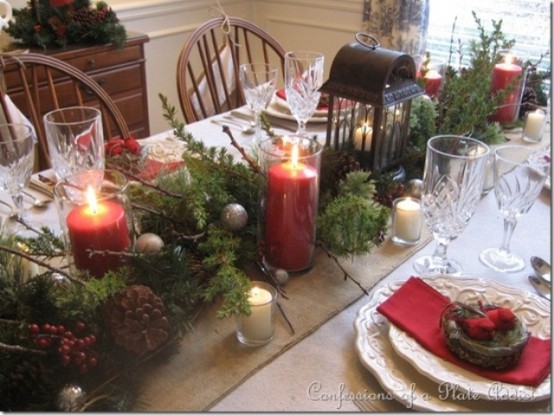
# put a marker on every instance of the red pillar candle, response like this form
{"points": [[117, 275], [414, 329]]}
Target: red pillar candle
{"points": [[99, 226], [433, 82], [506, 75], [291, 212]]}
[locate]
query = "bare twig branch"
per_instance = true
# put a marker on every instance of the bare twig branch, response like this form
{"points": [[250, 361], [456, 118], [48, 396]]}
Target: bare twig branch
{"points": [[346, 274], [240, 148]]}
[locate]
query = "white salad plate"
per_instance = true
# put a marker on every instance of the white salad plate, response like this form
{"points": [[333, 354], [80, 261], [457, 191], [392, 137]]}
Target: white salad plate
{"points": [[418, 391], [279, 108]]}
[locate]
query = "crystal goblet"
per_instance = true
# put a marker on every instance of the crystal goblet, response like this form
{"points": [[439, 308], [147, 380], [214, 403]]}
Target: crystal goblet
{"points": [[303, 78], [452, 184], [258, 84], [519, 175], [75, 140], [17, 143]]}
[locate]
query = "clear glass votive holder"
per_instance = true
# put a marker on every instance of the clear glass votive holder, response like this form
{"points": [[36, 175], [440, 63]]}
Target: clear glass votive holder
{"points": [[96, 220], [533, 126], [258, 328], [407, 220], [288, 203]]}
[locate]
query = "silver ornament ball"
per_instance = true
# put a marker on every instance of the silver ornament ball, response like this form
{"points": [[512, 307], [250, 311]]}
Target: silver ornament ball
{"points": [[281, 275], [71, 398], [234, 217], [149, 243], [414, 188]]}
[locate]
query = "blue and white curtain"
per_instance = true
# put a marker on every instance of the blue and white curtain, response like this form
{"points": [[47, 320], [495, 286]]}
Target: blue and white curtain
{"points": [[398, 24]]}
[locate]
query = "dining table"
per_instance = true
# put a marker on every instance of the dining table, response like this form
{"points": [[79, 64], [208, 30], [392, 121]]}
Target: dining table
{"points": [[317, 361]]}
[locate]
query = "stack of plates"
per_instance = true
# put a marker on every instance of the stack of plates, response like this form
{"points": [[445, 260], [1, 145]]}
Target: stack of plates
{"points": [[421, 381]]}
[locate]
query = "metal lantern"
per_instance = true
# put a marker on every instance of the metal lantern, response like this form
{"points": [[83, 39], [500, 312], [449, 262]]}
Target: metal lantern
{"points": [[370, 91]]}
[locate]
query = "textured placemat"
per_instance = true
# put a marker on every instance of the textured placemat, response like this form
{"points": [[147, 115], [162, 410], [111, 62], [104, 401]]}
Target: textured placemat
{"points": [[211, 362]]}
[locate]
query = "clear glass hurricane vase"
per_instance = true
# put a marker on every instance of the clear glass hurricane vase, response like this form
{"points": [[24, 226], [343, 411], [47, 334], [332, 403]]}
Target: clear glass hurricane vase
{"points": [[519, 175], [452, 184], [17, 142], [258, 84], [303, 78]]}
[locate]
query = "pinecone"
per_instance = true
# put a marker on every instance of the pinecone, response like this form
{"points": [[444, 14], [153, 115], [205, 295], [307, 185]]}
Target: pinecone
{"points": [[529, 100], [85, 16], [334, 168], [29, 383], [137, 321]]}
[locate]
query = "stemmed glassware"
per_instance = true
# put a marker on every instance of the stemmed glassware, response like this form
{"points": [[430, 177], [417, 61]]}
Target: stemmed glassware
{"points": [[303, 78], [75, 140], [17, 143], [452, 184], [519, 175], [258, 83]]}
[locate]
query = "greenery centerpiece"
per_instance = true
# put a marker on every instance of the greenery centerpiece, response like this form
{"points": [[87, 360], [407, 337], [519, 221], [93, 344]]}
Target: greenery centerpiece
{"points": [[71, 341]]}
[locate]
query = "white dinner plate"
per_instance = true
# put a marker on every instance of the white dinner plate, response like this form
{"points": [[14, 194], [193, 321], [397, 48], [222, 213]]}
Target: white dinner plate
{"points": [[278, 110], [401, 380], [534, 312]]}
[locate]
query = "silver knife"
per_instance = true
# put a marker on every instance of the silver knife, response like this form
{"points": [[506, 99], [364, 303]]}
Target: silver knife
{"points": [[543, 289]]}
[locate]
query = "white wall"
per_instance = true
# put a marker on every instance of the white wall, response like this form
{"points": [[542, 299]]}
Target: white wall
{"points": [[320, 25]]}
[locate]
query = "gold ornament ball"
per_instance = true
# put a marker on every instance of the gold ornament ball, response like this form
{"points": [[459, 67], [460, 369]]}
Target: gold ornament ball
{"points": [[149, 243]]}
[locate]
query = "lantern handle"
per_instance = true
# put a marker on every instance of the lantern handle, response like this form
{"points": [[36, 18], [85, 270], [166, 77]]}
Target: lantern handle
{"points": [[365, 39]]}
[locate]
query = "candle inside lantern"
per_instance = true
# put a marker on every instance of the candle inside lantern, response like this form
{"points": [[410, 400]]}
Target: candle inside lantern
{"points": [[258, 327], [406, 221], [101, 226], [290, 213], [533, 126], [506, 77], [362, 137], [433, 82]]}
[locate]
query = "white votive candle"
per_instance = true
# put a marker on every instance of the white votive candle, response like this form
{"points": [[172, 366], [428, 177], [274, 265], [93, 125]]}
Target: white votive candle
{"points": [[406, 220], [533, 125], [258, 328]]}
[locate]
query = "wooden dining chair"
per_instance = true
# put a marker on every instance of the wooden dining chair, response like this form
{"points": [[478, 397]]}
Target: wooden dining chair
{"points": [[208, 78], [43, 83]]}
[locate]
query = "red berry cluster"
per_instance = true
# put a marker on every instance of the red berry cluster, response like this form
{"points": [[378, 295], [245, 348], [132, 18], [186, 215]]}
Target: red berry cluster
{"points": [[484, 328], [72, 348]]}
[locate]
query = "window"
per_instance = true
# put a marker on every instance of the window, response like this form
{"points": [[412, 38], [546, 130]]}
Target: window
{"points": [[526, 21]]}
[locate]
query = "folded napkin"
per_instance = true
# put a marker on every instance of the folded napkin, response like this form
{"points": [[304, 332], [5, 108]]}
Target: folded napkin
{"points": [[416, 308], [283, 95], [154, 167]]}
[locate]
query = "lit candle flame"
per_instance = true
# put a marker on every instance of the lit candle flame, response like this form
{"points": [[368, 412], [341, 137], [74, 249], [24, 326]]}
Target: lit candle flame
{"points": [[91, 199], [294, 156], [509, 58]]}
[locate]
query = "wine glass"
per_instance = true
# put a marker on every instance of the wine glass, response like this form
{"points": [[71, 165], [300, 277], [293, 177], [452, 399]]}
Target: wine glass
{"points": [[17, 151], [519, 175], [258, 83], [75, 140], [452, 184], [303, 78]]}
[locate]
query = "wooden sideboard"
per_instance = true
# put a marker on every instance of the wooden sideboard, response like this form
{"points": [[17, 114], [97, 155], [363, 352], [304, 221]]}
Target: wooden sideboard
{"points": [[120, 71]]}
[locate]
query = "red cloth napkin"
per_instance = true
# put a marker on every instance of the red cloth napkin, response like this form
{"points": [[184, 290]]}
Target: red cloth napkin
{"points": [[416, 308]]}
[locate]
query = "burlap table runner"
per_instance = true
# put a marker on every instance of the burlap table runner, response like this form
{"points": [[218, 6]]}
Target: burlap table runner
{"points": [[211, 363]]}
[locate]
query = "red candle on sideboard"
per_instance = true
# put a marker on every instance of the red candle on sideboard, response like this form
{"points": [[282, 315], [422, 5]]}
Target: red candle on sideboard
{"points": [[291, 212], [99, 226], [506, 74]]}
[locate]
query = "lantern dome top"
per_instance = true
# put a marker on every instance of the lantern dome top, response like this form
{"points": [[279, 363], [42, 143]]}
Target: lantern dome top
{"points": [[364, 71]]}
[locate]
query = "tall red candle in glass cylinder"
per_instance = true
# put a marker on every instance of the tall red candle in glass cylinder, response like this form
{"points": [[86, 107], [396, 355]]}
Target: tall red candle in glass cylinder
{"points": [[506, 76], [98, 226], [290, 214]]}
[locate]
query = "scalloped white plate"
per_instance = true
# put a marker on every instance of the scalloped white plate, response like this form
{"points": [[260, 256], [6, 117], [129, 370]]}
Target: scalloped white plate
{"points": [[403, 381], [534, 312]]}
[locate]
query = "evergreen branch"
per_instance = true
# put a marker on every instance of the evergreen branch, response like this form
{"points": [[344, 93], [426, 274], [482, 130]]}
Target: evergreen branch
{"points": [[20, 349], [240, 148], [41, 263]]}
